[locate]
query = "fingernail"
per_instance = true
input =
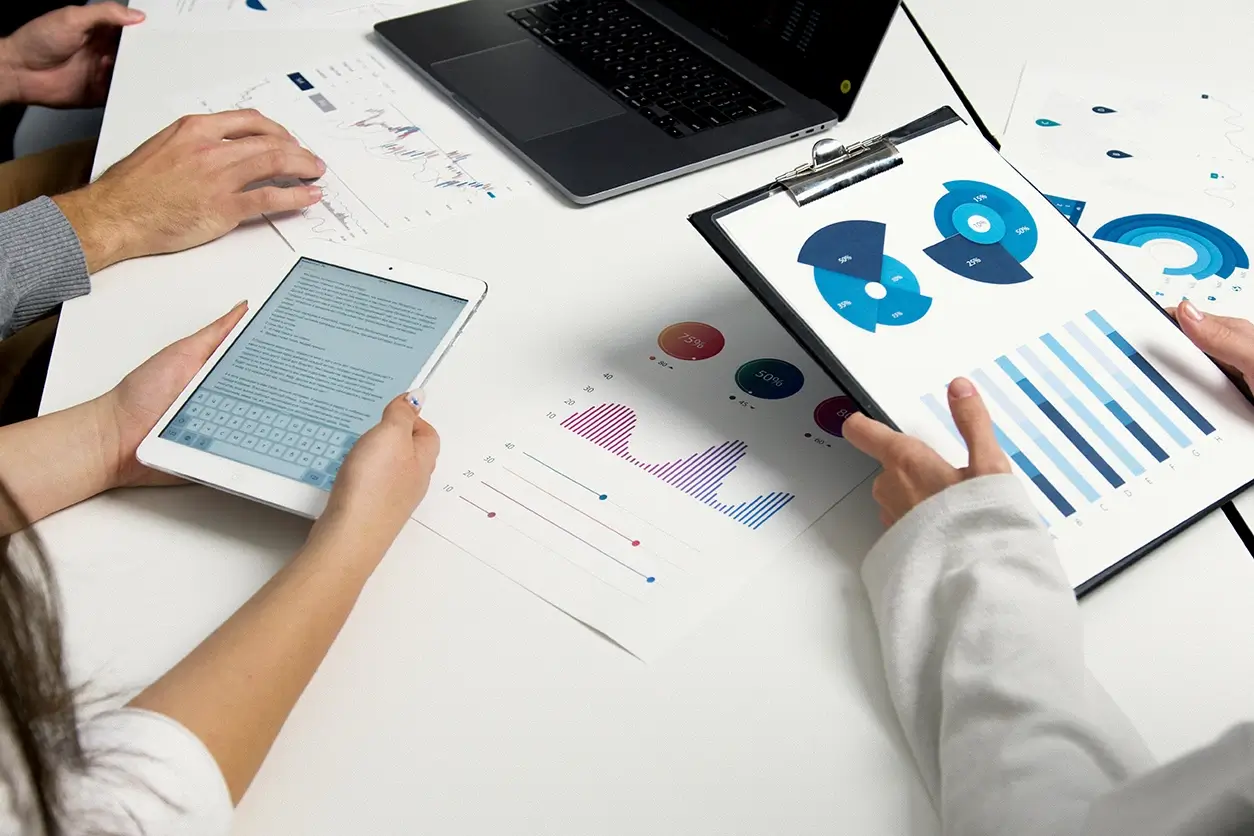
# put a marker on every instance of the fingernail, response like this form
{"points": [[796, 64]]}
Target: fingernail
{"points": [[322, 166], [417, 398], [1190, 310], [961, 388], [316, 192], [135, 14], [243, 303]]}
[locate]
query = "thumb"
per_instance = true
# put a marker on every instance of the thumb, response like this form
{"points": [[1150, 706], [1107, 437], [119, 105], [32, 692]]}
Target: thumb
{"points": [[206, 341], [405, 410], [976, 427], [107, 14], [1225, 338]]}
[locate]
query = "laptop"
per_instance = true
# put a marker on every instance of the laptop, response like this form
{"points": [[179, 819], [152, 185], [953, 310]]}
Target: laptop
{"points": [[606, 96]]}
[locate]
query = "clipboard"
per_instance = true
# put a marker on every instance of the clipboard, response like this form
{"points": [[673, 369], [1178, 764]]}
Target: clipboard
{"points": [[833, 167], [835, 171]]}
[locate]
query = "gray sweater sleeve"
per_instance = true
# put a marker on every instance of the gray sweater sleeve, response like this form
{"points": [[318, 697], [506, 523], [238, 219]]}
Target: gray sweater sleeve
{"points": [[982, 645], [41, 263]]}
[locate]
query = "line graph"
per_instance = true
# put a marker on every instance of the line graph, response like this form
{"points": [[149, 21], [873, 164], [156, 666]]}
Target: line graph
{"points": [[386, 171], [700, 475]]}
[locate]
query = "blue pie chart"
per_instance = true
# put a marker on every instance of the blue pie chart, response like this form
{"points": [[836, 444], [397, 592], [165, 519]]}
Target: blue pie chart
{"points": [[988, 233], [861, 284], [1216, 253]]}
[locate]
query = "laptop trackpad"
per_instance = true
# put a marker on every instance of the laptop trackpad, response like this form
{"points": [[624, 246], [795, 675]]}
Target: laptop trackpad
{"points": [[527, 91]]}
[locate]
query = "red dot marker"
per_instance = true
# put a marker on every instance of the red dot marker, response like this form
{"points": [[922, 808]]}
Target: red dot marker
{"points": [[491, 514], [635, 542]]}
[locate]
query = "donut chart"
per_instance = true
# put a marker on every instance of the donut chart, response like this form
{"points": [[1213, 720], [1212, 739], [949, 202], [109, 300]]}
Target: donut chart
{"points": [[1216, 253], [988, 233], [861, 284]]}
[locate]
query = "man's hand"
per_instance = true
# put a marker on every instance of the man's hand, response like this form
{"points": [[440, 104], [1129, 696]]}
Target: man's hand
{"points": [[64, 58], [914, 472], [188, 185]]}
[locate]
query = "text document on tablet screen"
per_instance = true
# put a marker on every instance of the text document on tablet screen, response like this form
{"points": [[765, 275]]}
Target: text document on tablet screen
{"points": [[314, 370]]}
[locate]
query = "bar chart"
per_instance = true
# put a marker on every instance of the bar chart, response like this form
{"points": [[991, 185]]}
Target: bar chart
{"points": [[700, 475], [1081, 411]]}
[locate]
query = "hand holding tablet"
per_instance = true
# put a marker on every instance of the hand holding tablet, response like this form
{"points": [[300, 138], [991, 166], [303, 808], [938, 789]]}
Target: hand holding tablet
{"points": [[276, 409]]}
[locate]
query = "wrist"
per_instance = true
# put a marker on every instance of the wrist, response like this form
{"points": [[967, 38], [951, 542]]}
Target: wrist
{"points": [[99, 433], [334, 541], [104, 241]]}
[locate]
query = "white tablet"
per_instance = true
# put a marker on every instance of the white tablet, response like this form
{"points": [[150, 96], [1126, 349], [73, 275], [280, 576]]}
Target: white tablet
{"points": [[277, 407]]}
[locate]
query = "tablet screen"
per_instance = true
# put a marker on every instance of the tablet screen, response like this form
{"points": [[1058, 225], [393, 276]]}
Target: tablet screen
{"points": [[314, 370]]}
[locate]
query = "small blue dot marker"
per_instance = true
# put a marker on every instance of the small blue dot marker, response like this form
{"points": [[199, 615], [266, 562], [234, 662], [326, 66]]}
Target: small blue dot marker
{"points": [[603, 497], [649, 580]]}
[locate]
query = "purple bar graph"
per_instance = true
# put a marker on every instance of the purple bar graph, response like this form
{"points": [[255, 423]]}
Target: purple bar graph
{"points": [[701, 475]]}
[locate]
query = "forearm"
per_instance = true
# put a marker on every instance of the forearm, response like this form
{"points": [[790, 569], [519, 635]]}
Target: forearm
{"points": [[237, 688], [982, 646], [41, 263], [52, 462]]}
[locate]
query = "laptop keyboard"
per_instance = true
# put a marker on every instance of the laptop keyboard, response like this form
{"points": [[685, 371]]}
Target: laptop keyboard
{"points": [[279, 442], [645, 65]]}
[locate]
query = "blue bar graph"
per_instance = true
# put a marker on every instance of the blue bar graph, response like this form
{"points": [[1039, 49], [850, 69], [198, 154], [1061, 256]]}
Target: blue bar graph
{"points": [[1128, 386], [1058, 420], [1086, 415], [1116, 448], [1152, 373], [1098, 391], [1038, 438], [1010, 449]]}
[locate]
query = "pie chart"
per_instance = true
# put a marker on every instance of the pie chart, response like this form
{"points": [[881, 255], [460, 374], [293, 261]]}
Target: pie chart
{"points": [[988, 233], [861, 284], [1215, 252]]}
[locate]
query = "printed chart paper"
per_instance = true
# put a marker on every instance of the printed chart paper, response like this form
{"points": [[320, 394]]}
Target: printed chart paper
{"points": [[398, 157], [642, 450], [950, 265], [1160, 175]]}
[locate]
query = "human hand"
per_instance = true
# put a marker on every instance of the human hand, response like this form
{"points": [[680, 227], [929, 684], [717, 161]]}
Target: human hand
{"points": [[64, 58], [383, 479], [188, 185], [128, 412], [914, 472], [1228, 340]]}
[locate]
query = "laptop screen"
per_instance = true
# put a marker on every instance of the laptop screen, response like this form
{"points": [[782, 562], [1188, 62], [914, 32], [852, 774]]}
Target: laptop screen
{"points": [[822, 48]]}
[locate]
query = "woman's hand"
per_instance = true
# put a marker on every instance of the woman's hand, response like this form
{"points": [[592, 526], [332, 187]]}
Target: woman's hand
{"points": [[383, 479], [129, 411], [914, 472], [1228, 340]]}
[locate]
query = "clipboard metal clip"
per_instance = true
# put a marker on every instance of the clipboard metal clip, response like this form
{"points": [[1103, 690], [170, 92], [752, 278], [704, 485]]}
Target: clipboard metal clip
{"points": [[835, 167]]}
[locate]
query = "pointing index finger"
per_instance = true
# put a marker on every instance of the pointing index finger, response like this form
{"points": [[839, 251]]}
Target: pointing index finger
{"points": [[869, 436]]}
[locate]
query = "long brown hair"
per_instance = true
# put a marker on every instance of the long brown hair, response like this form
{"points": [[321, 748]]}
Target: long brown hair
{"points": [[35, 694]]}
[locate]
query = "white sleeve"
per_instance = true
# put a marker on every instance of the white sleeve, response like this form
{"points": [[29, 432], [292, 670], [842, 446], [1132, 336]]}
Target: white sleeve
{"points": [[148, 776], [981, 639]]}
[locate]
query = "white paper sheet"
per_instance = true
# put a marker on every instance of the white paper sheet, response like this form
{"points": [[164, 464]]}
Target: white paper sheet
{"points": [[287, 15], [950, 265], [637, 493], [398, 156], [1112, 150]]}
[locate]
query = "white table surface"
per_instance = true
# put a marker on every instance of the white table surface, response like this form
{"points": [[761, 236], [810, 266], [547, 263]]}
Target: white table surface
{"points": [[1170, 637], [455, 702]]}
